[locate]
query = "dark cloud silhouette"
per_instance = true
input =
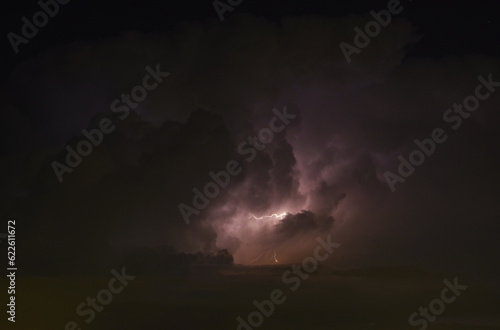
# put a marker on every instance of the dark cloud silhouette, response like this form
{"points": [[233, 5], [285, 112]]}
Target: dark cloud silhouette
{"points": [[300, 223]]}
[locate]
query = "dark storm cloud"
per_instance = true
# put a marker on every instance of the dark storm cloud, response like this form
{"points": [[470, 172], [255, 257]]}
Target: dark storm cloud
{"points": [[126, 193], [303, 222], [354, 121], [74, 82]]}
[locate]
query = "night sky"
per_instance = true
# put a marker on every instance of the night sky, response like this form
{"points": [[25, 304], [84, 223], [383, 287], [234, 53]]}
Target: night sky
{"points": [[209, 157]]}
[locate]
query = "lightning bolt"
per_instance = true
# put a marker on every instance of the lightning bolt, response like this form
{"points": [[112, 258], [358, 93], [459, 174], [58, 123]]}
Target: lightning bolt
{"points": [[277, 216], [260, 255]]}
